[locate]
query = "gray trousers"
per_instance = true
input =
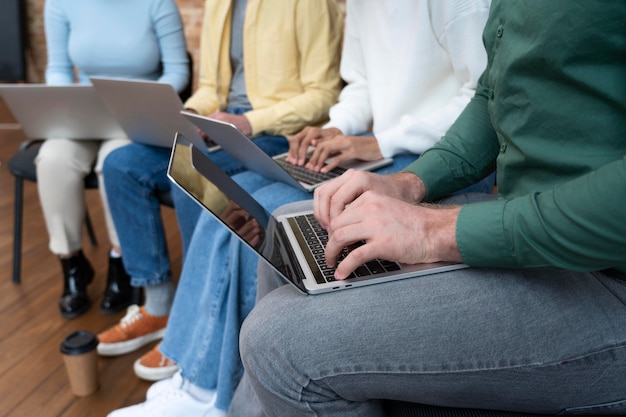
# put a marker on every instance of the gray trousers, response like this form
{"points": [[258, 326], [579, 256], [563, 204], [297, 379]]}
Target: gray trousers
{"points": [[543, 341]]}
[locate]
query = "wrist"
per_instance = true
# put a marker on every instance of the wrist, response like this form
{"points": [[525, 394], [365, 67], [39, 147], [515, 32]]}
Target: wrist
{"points": [[442, 233], [448, 246], [247, 127], [412, 188]]}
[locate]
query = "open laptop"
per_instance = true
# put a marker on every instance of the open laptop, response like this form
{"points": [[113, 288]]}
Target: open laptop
{"points": [[148, 111], [50, 112], [292, 244], [277, 168]]}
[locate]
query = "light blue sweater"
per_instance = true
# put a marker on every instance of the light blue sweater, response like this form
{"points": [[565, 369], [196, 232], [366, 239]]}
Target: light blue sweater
{"points": [[137, 39]]}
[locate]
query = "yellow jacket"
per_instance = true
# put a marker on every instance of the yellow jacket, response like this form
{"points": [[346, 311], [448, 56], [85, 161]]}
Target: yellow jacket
{"points": [[291, 52]]}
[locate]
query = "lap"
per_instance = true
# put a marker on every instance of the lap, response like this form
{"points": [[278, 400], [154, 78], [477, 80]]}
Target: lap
{"points": [[422, 338], [69, 150], [138, 155]]}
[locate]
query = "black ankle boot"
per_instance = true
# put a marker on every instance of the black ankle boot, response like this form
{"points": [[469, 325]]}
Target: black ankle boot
{"points": [[118, 293], [77, 274]]}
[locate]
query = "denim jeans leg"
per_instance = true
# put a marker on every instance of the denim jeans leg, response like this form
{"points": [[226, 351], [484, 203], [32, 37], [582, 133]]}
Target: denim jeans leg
{"points": [[133, 175], [187, 214], [216, 291], [197, 315]]}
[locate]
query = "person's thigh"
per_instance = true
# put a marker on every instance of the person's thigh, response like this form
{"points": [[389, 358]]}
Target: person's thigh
{"points": [[503, 339], [251, 181], [108, 146], [66, 155], [278, 194], [137, 163]]}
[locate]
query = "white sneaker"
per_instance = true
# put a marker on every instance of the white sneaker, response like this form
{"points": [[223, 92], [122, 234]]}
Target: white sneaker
{"points": [[158, 388], [170, 403]]}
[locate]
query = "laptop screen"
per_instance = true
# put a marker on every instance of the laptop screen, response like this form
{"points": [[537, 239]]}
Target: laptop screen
{"points": [[237, 211], [233, 206]]}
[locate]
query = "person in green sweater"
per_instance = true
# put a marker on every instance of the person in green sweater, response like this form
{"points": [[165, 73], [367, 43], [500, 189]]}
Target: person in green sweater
{"points": [[536, 324]]}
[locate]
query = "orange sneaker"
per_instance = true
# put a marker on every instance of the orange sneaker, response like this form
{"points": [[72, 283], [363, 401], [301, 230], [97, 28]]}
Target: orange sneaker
{"points": [[155, 366], [136, 329]]}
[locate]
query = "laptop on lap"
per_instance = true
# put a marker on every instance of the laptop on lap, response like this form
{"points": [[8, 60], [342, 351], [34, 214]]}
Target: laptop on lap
{"points": [[291, 244], [240, 147], [51, 112], [148, 111]]}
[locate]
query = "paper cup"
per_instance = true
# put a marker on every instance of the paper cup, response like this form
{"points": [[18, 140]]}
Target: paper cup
{"points": [[81, 361]]}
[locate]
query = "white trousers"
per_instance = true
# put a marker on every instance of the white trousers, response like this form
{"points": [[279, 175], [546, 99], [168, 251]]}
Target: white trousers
{"points": [[62, 165]]}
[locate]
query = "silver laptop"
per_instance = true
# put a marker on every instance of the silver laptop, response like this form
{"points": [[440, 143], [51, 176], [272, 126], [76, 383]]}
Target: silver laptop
{"points": [[277, 168], [148, 111], [292, 244], [50, 112]]}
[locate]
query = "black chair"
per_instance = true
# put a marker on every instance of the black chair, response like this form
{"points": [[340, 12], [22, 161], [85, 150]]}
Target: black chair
{"points": [[22, 166]]}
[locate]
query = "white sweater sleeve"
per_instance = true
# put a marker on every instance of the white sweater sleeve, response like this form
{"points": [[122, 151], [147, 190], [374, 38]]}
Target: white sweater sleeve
{"points": [[353, 112]]}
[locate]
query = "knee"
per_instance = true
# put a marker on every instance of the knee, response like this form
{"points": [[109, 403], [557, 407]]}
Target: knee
{"points": [[116, 162], [48, 158], [261, 334], [253, 343], [276, 327], [51, 168]]}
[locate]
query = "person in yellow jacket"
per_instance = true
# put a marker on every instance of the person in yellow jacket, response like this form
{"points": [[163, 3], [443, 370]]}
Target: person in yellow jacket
{"points": [[288, 75], [270, 67]]}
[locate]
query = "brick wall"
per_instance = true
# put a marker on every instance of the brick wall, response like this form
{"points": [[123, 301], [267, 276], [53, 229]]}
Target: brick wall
{"points": [[190, 10]]}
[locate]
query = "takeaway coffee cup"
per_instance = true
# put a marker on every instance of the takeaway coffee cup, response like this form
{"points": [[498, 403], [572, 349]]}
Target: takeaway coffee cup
{"points": [[81, 361]]}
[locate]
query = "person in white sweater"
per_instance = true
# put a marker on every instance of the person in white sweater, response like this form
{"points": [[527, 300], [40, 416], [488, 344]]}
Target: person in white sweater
{"points": [[410, 68]]}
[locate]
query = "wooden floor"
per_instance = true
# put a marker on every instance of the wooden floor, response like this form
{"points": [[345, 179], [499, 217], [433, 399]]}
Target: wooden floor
{"points": [[32, 375]]}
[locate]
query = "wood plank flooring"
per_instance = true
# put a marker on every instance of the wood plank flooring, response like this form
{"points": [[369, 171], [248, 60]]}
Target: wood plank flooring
{"points": [[33, 381]]}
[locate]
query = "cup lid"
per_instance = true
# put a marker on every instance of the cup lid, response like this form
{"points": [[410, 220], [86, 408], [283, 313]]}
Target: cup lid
{"points": [[79, 342]]}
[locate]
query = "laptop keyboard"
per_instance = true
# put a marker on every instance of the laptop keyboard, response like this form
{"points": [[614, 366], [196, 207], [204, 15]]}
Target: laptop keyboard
{"points": [[307, 176], [316, 238]]}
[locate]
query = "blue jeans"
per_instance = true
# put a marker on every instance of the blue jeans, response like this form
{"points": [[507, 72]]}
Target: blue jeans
{"points": [[217, 288], [216, 291], [539, 341], [133, 175]]}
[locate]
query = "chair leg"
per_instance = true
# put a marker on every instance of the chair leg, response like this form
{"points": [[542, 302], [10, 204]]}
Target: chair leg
{"points": [[17, 229], [90, 231]]}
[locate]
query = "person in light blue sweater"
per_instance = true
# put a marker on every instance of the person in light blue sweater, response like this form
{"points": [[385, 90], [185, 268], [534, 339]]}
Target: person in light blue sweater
{"points": [[139, 39]]}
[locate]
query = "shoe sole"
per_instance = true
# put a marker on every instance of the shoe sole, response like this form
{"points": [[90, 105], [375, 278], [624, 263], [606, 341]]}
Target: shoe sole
{"points": [[121, 348], [154, 374]]}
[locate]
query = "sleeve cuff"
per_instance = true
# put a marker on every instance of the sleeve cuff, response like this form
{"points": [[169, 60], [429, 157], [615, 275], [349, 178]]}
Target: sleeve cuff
{"points": [[481, 235]]}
